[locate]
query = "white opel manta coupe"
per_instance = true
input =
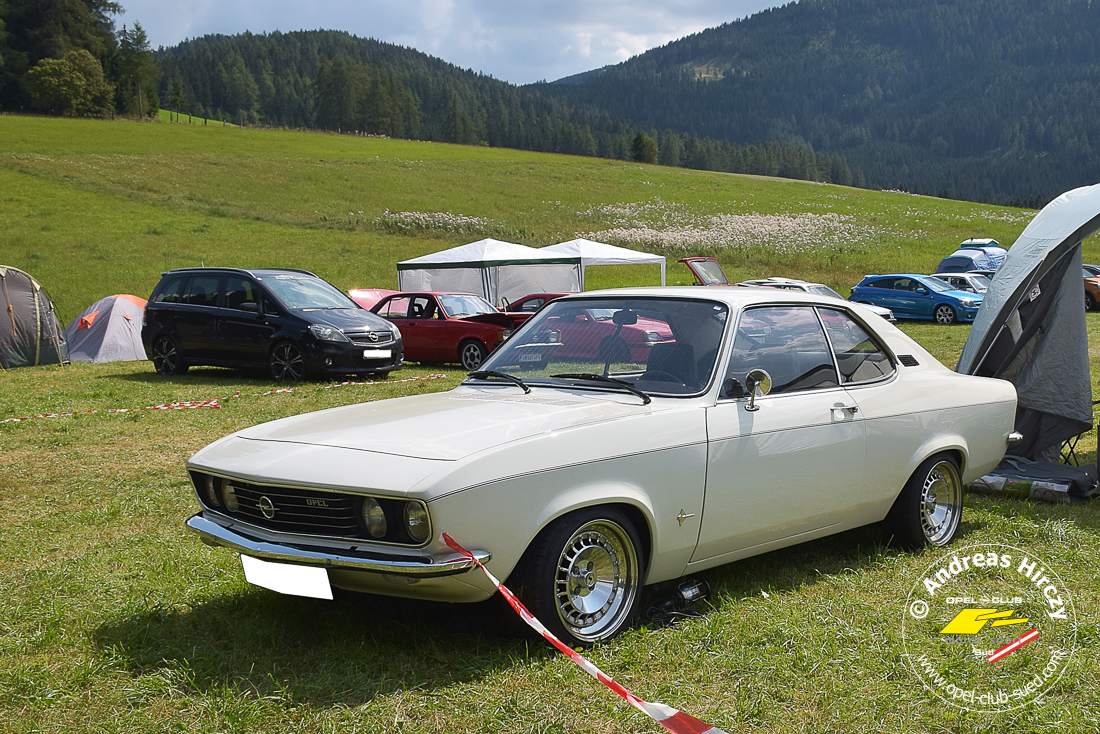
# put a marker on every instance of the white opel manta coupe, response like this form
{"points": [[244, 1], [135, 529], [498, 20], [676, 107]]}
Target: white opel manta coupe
{"points": [[750, 420]]}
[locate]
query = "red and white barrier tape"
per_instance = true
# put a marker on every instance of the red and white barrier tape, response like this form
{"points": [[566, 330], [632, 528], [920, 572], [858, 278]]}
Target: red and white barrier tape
{"points": [[674, 721], [214, 402]]}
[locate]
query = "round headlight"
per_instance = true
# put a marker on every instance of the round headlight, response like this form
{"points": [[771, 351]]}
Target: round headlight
{"points": [[416, 521], [211, 487], [229, 497], [374, 518]]}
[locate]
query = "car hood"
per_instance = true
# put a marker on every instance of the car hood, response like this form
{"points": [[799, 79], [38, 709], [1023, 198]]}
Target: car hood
{"points": [[506, 320], [345, 318], [445, 426], [965, 294]]}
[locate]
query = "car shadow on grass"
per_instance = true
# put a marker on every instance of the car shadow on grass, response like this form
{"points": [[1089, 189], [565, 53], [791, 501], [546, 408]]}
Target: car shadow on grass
{"points": [[343, 652], [223, 376]]}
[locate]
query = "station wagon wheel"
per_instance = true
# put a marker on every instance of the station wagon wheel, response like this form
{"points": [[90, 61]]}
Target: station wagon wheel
{"points": [[472, 353], [287, 363], [928, 510], [945, 314], [583, 577], [166, 358]]}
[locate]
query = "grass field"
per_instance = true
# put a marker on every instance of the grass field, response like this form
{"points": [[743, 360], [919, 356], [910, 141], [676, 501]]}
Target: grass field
{"points": [[115, 619]]}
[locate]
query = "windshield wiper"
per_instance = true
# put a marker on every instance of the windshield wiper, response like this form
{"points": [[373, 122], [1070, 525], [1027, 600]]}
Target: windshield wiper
{"points": [[486, 374], [591, 376]]}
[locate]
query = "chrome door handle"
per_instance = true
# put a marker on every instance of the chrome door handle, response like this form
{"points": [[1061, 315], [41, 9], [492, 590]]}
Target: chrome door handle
{"points": [[851, 409]]}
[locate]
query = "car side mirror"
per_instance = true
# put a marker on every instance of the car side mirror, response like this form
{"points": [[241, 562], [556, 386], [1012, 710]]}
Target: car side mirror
{"points": [[921, 292], [250, 306], [759, 383]]}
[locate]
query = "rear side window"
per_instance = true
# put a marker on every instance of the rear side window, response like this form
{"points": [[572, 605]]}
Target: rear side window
{"points": [[859, 357], [203, 291], [395, 308], [172, 292], [534, 305]]}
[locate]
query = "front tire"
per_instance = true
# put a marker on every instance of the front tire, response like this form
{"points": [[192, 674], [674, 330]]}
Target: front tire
{"points": [[287, 363], [929, 508], [471, 353], [583, 576], [167, 359], [1090, 302], [945, 314]]}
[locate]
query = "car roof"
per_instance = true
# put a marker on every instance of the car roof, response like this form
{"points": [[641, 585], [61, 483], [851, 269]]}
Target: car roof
{"points": [[258, 272], [730, 295]]}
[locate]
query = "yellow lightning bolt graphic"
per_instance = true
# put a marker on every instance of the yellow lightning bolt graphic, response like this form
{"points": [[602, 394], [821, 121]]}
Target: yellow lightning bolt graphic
{"points": [[971, 621]]}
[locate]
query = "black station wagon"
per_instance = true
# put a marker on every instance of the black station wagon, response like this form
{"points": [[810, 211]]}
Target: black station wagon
{"points": [[289, 321]]}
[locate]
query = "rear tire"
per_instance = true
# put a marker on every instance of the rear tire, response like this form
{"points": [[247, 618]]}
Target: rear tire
{"points": [[945, 314], [1090, 302], [929, 508], [167, 359], [582, 577]]}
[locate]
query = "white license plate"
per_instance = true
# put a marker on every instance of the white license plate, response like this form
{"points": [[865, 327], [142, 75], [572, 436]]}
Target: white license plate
{"points": [[286, 578], [376, 354], [530, 358]]}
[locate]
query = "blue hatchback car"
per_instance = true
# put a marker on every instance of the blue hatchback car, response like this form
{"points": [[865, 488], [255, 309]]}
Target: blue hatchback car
{"points": [[917, 297]]}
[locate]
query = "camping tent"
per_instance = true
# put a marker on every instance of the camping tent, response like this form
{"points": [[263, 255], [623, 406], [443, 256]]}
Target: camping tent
{"points": [[597, 253], [1031, 327], [107, 331], [492, 269], [30, 332]]}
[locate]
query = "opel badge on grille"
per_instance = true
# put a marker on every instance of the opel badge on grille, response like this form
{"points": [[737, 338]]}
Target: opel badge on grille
{"points": [[372, 336], [267, 507]]}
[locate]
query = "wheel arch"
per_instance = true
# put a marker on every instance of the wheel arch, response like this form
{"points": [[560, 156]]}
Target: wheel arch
{"points": [[955, 446], [631, 501], [954, 309]]}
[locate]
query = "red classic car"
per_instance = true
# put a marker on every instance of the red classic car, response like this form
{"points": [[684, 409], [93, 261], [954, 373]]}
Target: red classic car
{"points": [[367, 297], [531, 303], [446, 327], [586, 334]]}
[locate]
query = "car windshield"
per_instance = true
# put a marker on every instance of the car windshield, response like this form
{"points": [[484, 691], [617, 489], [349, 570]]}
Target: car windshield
{"points": [[824, 290], [459, 305], [304, 292], [981, 281], [709, 271], [663, 346], [936, 285]]}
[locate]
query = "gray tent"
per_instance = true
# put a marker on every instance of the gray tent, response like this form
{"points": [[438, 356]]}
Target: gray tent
{"points": [[30, 332], [1031, 327], [108, 331]]}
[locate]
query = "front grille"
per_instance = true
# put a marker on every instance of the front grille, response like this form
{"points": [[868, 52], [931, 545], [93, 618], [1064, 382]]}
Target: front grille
{"points": [[363, 338], [307, 511], [296, 510]]}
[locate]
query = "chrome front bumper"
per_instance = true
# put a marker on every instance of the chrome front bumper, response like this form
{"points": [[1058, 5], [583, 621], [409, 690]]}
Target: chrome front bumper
{"points": [[214, 534]]}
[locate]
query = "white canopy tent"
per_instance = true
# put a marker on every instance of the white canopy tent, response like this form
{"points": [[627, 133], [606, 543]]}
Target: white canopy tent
{"points": [[493, 269], [598, 253]]}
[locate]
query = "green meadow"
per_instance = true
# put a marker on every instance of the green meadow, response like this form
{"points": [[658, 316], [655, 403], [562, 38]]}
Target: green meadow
{"points": [[116, 619]]}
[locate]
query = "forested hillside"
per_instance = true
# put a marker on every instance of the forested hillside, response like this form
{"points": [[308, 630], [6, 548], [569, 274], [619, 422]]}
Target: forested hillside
{"points": [[988, 100], [333, 80]]}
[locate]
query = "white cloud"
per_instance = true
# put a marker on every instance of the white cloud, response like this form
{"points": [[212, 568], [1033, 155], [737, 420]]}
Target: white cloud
{"points": [[517, 41]]}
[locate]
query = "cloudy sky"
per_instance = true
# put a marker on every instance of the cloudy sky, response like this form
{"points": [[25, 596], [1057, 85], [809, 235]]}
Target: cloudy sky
{"points": [[519, 41]]}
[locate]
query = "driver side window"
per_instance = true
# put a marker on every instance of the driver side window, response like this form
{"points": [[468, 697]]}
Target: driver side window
{"points": [[786, 342]]}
